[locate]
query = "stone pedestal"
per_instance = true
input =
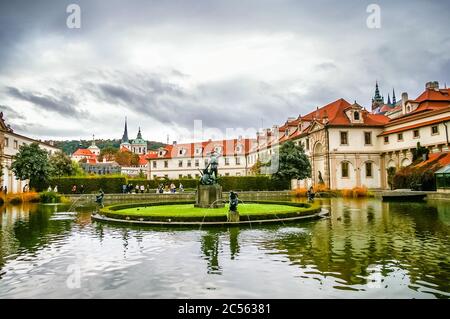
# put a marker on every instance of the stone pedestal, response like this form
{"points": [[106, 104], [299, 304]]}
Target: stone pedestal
{"points": [[209, 196], [233, 216]]}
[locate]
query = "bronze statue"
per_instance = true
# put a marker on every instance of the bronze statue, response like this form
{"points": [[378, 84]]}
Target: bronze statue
{"points": [[233, 201], [210, 173], [320, 178]]}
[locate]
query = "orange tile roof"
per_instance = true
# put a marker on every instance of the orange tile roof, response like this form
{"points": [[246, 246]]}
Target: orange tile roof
{"points": [[83, 152], [443, 159], [188, 149], [410, 127]]}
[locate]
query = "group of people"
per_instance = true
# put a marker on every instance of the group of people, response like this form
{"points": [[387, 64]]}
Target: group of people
{"points": [[169, 188], [78, 190], [130, 188], [54, 189], [4, 189]]}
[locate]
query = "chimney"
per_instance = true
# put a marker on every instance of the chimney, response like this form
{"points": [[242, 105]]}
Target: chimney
{"points": [[404, 99], [174, 143], [434, 85]]}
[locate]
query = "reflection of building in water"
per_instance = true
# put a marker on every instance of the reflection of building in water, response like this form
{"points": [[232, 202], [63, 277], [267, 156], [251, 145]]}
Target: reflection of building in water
{"points": [[369, 234]]}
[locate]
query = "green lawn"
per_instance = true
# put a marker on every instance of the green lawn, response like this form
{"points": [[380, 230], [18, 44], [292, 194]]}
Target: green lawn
{"points": [[188, 210]]}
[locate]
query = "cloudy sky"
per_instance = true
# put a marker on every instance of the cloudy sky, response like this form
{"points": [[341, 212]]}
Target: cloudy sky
{"points": [[231, 64]]}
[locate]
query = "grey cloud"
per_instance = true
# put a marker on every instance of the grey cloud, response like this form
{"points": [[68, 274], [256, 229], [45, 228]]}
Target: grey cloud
{"points": [[10, 113], [65, 104]]}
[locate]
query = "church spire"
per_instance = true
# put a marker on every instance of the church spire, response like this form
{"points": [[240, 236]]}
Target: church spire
{"points": [[125, 133], [139, 135], [377, 100], [389, 100], [394, 100]]}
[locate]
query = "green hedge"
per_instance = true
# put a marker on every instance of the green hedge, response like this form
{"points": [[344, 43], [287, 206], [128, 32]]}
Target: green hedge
{"points": [[113, 184], [109, 184]]}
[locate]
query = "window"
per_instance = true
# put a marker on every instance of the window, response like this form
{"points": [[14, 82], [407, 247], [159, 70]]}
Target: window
{"points": [[416, 134], [198, 150], [166, 164], [227, 161], [344, 169], [180, 163], [369, 169], [166, 175], [180, 176], [368, 138], [434, 130], [197, 163], [197, 175], [238, 174], [227, 174], [356, 116], [180, 152], [344, 140], [400, 137], [307, 144], [386, 139], [286, 132], [238, 161], [154, 164], [189, 164], [155, 176], [206, 162], [189, 176], [16, 144], [6, 142]]}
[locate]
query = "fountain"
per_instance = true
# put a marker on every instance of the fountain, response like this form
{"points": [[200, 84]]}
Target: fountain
{"points": [[209, 208]]}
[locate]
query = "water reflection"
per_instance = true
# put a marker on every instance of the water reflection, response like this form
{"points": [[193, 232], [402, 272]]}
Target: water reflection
{"points": [[366, 248]]}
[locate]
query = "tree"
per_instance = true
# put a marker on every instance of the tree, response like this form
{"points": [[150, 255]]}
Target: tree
{"points": [[109, 153], [293, 162], [60, 164], [256, 168], [31, 162], [77, 170], [123, 158]]}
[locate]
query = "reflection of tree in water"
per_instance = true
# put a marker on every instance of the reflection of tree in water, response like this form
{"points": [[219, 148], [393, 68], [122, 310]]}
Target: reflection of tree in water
{"points": [[27, 228], [210, 249], [401, 235]]}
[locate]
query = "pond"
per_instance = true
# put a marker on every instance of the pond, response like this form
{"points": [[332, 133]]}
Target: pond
{"points": [[366, 249]]}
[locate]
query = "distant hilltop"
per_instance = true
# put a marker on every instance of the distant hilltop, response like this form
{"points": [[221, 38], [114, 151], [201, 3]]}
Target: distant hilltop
{"points": [[70, 146]]}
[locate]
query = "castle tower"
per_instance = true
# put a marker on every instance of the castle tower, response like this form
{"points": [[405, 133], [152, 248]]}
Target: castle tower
{"points": [[377, 100]]}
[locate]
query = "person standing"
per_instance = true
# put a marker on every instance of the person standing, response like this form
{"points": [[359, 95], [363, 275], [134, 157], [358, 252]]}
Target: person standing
{"points": [[181, 187], [142, 189]]}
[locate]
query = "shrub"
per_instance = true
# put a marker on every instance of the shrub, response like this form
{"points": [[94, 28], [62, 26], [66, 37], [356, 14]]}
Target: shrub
{"points": [[299, 192], [17, 198], [355, 192], [50, 197]]}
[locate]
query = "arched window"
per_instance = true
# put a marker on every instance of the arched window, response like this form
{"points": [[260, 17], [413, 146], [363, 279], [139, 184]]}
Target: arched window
{"points": [[356, 116]]}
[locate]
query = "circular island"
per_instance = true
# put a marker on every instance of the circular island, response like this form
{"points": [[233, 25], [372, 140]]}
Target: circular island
{"points": [[185, 213]]}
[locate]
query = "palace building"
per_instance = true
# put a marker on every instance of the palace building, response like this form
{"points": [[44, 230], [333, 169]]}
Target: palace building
{"points": [[10, 143], [348, 146]]}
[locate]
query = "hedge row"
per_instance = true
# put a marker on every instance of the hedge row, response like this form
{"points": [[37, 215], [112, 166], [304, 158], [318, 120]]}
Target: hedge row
{"points": [[113, 184]]}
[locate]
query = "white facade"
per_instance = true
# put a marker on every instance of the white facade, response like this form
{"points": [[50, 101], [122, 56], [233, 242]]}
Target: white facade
{"points": [[10, 143]]}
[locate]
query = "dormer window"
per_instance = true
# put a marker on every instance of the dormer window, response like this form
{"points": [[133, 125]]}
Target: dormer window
{"points": [[356, 116], [286, 132], [198, 150], [218, 149], [238, 148]]}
